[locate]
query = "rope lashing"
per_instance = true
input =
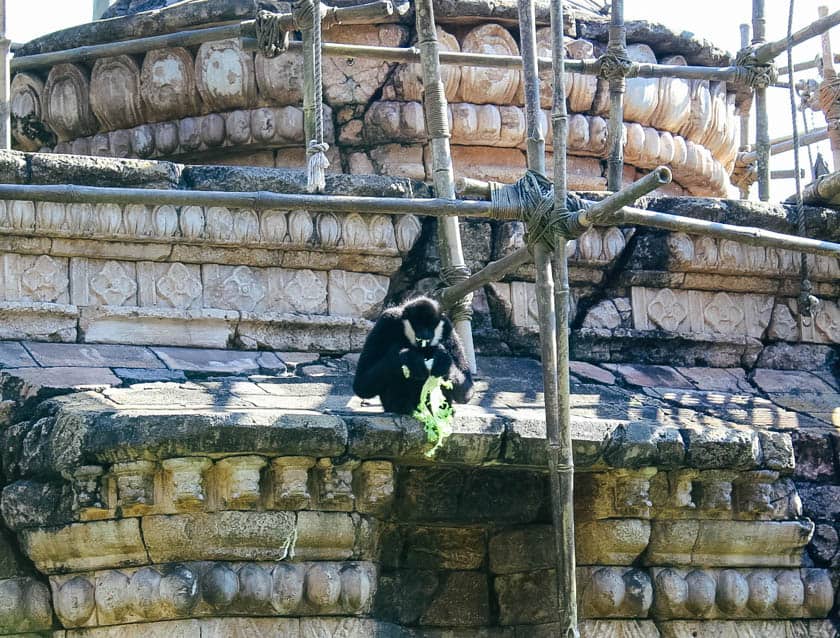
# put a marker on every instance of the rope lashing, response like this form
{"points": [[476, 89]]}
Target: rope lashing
{"points": [[615, 65], [460, 310], [308, 17], [531, 200], [272, 40], [755, 74]]}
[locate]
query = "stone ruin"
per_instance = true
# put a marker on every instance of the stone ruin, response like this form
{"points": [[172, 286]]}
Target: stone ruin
{"points": [[181, 451]]}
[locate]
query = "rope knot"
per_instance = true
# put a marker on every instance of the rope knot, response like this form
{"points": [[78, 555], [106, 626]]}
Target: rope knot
{"points": [[271, 39], [615, 65], [316, 166], [755, 74], [304, 12]]}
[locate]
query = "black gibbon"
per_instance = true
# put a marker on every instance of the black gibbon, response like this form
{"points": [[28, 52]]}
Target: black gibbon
{"points": [[407, 344]]}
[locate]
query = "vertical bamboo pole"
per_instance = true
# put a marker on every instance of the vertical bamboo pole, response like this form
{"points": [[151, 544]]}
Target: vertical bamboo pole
{"points": [[5, 106], [762, 127], [829, 74], [549, 317], [745, 117], [437, 125], [561, 464], [615, 132]]}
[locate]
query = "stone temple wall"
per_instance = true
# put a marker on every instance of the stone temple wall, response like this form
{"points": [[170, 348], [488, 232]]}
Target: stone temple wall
{"points": [[218, 103]]}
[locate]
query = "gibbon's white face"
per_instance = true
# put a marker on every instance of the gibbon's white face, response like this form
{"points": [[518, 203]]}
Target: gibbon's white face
{"points": [[411, 335]]}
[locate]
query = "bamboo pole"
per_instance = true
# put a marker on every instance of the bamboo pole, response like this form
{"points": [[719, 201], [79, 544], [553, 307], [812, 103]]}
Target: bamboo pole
{"points": [[744, 191], [810, 64], [361, 14], [615, 132], [829, 74], [435, 207], [245, 32], [561, 462], [100, 7], [766, 52], [762, 126], [453, 266], [5, 76], [548, 316], [785, 144]]}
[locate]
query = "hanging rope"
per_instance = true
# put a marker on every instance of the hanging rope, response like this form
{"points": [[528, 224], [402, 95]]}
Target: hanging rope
{"points": [[272, 40], [806, 302], [308, 19]]}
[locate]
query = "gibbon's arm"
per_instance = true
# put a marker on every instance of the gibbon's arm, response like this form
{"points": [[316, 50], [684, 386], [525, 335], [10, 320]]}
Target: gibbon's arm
{"points": [[379, 360], [459, 372]]}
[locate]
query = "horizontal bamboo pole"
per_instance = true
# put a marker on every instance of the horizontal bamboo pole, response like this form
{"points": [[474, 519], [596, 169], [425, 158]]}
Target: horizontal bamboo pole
{"points": [[825, 188], [436, 207], [245, 32], [786, 144], [254, 200], [787, 173], [768, 51], [804, 66], [361, 14]]}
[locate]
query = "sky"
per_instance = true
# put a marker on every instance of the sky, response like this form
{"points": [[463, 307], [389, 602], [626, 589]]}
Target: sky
{"points": [[714, 20]]}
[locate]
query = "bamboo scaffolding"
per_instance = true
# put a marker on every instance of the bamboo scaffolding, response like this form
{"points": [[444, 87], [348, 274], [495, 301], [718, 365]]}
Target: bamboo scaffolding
{"points": [[762, 127], [453, 266], [810, 64], [617, 46]]}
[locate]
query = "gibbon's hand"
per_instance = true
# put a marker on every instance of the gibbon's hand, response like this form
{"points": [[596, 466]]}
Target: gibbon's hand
{"points": [[412, 364], [441, 363]]}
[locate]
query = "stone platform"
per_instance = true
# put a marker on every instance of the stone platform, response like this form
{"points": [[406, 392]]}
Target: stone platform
{"points": [[185, 492]]}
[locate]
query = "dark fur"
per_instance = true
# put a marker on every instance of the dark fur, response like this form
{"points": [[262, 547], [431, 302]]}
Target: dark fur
{"points": [[387, 349]]}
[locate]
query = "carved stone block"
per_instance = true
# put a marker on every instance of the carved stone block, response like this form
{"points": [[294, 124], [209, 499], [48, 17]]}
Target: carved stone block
{"points": [[185, 482], [334, 486], [107, 283], [374, 489], [237, 481], [225, 75], [115, 93], [356, 294], [135, 487], [290, 482], [66, 102], [167, 84], [34, 278]]}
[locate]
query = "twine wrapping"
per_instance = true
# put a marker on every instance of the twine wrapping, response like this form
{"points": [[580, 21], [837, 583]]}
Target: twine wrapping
{"points": [[755, 74], [531, 200], [272, 40]]}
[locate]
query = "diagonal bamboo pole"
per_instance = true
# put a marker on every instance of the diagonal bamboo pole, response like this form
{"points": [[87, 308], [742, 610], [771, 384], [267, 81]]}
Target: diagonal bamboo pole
{"points": [[561, 463], [617, 46], [784, 144], [561, 508], [453, 267], [769, 50], [762, 126]]}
